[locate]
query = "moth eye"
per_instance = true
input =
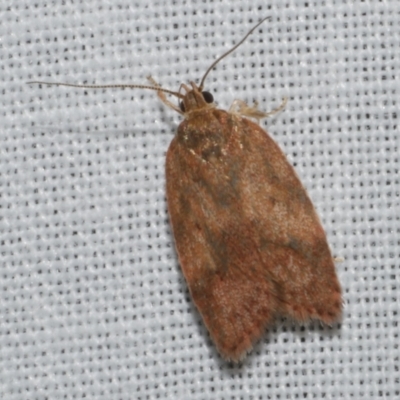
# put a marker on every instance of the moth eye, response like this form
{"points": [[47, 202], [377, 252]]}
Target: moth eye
{"points": [[182, 106], [208, 97]]}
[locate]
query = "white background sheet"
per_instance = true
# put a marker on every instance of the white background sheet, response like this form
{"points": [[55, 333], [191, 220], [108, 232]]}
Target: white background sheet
{"points": [[93, 302]]}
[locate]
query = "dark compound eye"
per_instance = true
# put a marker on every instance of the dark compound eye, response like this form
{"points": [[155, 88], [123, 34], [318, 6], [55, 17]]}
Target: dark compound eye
{"points": [[208, 97]]}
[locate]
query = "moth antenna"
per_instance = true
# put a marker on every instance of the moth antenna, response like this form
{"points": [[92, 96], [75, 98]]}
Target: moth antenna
{"points": [[229, 52], [116, 86]]}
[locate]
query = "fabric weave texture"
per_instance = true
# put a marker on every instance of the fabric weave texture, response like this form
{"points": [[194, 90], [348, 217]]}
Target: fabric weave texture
{"points": [[93, 304]]}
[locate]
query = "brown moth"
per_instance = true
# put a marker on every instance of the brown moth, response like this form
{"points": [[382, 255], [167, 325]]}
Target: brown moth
{"points": [[249, 241]]}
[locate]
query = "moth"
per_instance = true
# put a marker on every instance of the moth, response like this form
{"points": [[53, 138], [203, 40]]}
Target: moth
{"points": [[249, 241]]}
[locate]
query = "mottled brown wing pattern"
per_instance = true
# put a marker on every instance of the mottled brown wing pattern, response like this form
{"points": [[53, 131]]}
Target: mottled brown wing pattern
{"points": [[248, 239]]}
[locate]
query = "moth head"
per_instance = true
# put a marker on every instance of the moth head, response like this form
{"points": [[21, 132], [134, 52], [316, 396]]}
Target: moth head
{"points": [[195, 99]]}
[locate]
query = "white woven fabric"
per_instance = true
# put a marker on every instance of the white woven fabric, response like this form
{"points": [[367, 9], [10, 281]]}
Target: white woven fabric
{"points": [[93, 302]]}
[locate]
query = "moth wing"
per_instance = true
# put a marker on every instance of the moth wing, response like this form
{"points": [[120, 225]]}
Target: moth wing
{"points": [[248, 239]]}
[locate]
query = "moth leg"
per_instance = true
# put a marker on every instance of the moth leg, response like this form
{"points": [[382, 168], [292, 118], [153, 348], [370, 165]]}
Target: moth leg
{"points": [[162, 96], [240, 107]]}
